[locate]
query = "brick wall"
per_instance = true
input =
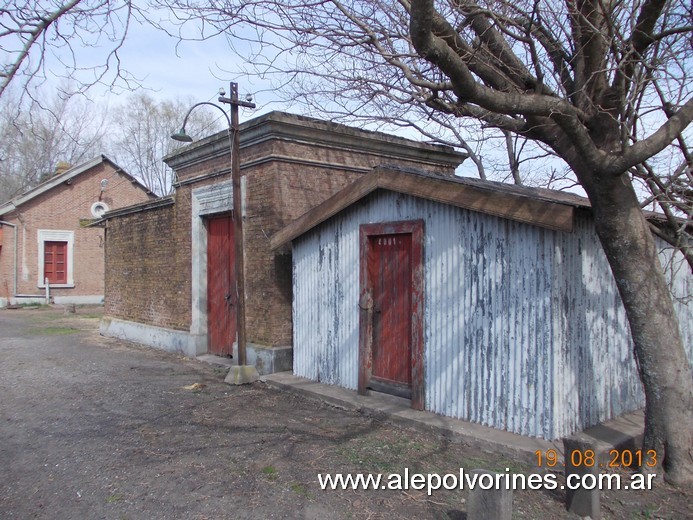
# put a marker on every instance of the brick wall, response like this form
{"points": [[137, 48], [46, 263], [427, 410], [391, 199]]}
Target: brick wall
{"points": [[148, 261], [290, 165], [146, 278], [62, 208], [299, 176], [276, 194]]}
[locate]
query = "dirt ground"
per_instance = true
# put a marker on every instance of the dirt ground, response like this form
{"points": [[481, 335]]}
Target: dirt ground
{"points": [[95, 428]]}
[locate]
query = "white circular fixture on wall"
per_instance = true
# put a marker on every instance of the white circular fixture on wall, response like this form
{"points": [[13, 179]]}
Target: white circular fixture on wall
{"points": [[98, 209]]}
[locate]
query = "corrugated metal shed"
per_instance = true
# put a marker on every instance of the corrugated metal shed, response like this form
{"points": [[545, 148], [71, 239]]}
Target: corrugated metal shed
{"points": [[524, 329]]}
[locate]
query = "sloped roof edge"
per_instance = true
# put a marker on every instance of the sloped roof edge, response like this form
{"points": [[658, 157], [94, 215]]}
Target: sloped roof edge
{"points": [[541, 207], [56, 180]]}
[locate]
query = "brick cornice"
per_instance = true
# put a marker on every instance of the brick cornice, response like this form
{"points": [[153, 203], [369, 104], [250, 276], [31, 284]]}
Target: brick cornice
{"points": [[314, 132]]}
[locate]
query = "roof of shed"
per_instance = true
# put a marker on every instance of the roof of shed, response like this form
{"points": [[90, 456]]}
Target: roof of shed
{"points": [[538, 206]]}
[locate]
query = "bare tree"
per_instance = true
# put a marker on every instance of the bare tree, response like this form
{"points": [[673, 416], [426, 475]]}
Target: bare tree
{"points": [[143, 128], [354, 63], [604, 86], [38, 38], [69, 129], [581, 78]]}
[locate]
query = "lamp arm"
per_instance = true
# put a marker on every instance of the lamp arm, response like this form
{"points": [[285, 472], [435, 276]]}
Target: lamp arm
{"points": [[185, 119]]}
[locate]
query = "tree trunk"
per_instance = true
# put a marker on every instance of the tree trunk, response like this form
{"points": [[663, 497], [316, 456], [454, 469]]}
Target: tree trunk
{"points": [[659, 351]]}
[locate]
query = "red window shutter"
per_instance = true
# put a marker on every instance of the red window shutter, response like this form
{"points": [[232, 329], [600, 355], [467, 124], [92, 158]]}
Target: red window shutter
{"points": [[55, 262]]}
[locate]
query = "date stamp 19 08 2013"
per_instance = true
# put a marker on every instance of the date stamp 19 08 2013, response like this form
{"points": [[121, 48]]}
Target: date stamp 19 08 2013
{"points": [[588, 459]]}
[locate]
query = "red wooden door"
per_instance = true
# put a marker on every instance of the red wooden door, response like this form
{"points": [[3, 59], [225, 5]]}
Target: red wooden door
{"points": [[390, 280], [221, 286], [55, 262], [391, 316]]}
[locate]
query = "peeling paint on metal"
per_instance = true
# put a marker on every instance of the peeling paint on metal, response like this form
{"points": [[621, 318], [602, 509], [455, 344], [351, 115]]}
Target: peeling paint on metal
{"points": [[524, 329]]}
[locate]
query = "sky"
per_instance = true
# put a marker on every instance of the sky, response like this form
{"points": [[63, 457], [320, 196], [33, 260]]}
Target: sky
{"points": [[190, 69], [194, 71], [167, 69]]}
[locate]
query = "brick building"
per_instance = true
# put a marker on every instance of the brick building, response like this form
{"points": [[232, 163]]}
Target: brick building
{"points": [[43, 234], [164, 257]]}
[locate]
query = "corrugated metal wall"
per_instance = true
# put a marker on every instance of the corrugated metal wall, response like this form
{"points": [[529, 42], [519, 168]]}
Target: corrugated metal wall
{"points": [[520, 324]]}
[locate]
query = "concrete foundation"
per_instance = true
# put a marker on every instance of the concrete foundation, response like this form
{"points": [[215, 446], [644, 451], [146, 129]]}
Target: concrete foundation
{"points": [[58, 300], [241, 375], [158, 337], [265, 359]]}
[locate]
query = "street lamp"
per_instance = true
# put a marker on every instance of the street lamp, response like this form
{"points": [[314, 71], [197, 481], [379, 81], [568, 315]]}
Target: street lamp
{"points": [[234, 139], [183, 137]]}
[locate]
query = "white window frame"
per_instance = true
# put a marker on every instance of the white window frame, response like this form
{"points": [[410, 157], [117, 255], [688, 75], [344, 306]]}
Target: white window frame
{"points": [[52, 235]]}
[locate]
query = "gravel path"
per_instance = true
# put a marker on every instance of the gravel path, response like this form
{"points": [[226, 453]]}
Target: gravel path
{"points": [[95, 428]]}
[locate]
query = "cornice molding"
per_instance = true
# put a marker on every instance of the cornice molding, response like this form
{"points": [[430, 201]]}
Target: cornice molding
{"points": [[285, 127]]}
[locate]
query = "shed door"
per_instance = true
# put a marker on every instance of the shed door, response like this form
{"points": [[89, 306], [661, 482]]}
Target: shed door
{"points": [[391, 322], [389, 273], [221, 286]]}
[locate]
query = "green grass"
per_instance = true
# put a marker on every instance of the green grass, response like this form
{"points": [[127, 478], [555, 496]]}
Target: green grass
{"points": [[270, 472], [220, 371], [377, 454], [44, 317], [299, 489]]}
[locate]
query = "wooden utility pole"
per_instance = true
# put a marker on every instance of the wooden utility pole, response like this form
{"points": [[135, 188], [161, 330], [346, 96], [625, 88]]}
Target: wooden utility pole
{"points": [[238, 218]]}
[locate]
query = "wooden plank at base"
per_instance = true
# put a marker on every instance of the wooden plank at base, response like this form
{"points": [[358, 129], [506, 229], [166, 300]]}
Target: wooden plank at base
{"points": [[389, 388]]}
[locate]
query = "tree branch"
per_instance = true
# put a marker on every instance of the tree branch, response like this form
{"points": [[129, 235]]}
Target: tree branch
{"points": [[652, 145], [37, 31]]}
